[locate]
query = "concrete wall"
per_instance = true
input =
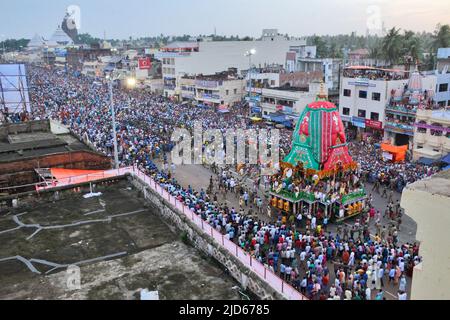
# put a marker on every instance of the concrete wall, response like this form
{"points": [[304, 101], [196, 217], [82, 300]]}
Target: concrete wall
{"points": [[431, 279], [218, 56], [26, 127], [70, 160], [179, 223]]}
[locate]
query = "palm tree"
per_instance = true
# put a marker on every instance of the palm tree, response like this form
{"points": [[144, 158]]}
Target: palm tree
{"points": [[442, 36], [411, 46], [392, 45]]}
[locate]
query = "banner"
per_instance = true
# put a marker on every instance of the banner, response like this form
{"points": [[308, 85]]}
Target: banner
{"points": [[145, 64], [374, 124]]}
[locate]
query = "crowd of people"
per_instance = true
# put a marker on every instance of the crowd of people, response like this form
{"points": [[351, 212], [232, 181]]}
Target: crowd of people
{"points": [[393, 176], [299, 249]]}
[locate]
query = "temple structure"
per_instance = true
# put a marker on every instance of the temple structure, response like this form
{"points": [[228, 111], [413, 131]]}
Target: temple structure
{"points": [[319, 140], [319, 177]]}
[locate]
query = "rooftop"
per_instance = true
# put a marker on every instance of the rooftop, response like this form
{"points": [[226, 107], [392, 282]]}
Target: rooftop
{"points": [[118, 241], [16, 145], [438, 184]]}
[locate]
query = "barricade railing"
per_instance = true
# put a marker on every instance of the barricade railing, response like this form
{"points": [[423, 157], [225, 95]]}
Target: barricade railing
{"points": [[246, 258]]}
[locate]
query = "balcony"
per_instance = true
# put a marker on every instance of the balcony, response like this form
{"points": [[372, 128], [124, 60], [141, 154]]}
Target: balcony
{"points": [[401, 110], [400, 128], [169, 87], [209, 97], [420, 137], [435, 141]]}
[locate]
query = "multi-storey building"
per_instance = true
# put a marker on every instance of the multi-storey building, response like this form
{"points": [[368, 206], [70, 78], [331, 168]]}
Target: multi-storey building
{"points": [[432, 134], [364, 94], [209, 57], [403, 104], [286, 103], [220, 89]]}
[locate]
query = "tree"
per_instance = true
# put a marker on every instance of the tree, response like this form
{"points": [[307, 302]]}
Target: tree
{"points": [[442, 36], [13, 44], [86, 38], [411, 46], [321, 46], [391, 45]]}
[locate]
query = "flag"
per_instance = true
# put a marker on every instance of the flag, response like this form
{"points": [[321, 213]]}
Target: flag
{"points": [[145, 64]]}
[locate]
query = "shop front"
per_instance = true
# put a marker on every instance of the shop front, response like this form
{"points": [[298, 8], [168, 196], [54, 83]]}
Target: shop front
{"points": [[374, 128]]}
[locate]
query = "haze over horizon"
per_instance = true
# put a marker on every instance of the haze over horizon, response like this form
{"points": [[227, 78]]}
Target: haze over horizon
{"points": [[140, 18]]}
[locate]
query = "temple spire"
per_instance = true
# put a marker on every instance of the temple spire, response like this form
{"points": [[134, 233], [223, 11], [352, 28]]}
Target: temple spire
{"points": [[323, 94]]}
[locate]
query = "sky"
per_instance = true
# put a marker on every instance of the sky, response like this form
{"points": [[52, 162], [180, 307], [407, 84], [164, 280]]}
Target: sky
{"points": [[137, 18]]}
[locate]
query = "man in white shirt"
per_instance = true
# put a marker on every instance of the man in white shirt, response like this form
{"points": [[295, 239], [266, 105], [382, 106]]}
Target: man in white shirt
{"points": [[368, 294], [332, 291]]}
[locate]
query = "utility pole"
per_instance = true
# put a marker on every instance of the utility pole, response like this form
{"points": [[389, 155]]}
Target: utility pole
{"points": [[113, 114]]}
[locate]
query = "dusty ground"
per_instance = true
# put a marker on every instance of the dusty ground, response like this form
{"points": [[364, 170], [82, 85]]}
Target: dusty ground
{"points": [[149, 255]]}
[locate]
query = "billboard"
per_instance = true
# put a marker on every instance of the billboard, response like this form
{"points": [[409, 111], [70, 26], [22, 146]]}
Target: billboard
{"points": [[145, 64]]}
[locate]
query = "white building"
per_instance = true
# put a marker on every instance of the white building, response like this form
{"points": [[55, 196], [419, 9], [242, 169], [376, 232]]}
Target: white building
{"points": [[194, 58], [363, 97], [329, 67], [288, 102], [221, 89]]}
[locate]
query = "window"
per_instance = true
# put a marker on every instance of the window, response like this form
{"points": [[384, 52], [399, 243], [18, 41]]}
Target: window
{"points": [[420, 146], [374, 116], [347, 93], [376, 96], [235, 91], [346, 111], [361, 113], [363, 94], [272, 83], [422, 130], [227, 92], [436, 132], [436, 150], [443, 87]]}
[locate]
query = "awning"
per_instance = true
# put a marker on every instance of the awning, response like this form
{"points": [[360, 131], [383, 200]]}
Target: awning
{"points": [[446, 159], [426, 161], [446, 168], [278, 118]]}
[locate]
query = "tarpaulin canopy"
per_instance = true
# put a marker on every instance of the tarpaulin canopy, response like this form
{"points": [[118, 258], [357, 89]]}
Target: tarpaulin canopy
{"points": [[426, 161], [59, 173], [398, 152], [446, 159], [446, 168], [278, 118]]}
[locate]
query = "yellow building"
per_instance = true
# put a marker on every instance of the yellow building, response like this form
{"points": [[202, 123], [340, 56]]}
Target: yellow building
{"points": [[428, 203], [432, 134]]}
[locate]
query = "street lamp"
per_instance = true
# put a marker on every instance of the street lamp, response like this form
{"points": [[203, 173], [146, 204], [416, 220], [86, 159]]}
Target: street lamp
{"points": [[249, 54], [131, 82]]}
